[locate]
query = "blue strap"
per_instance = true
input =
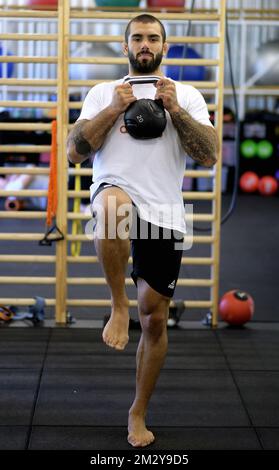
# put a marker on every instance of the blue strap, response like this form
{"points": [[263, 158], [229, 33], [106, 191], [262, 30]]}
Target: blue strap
{"points": [[35, 312]]}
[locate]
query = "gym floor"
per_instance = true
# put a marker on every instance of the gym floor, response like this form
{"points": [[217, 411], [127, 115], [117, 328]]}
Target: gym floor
{"points": [[63, 389]]}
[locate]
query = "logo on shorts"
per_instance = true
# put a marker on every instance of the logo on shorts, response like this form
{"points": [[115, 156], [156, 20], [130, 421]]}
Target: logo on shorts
{"points": [[172, 285]]}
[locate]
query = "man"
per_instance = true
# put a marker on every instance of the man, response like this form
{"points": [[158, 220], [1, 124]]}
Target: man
{"points": [[144, 174]]}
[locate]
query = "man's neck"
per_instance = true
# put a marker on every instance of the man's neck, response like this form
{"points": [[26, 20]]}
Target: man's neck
{"points": [[133, 73]]}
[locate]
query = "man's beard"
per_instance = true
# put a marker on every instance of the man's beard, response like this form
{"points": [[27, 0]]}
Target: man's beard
{"points": [[146, 65]]}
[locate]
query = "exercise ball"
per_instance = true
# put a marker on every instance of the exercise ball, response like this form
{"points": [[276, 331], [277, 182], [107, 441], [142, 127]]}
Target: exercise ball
{"points": [[236, 307], [265, 149], [249, 148], [117, 3], [249, 182], [268, 186], [165, 3], [97, 71], [190, 72], [277, 175], [266, 61], [6, 70], [45, 4]]}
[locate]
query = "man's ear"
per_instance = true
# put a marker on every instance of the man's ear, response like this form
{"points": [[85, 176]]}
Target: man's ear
{"points": [[165, 48], [125, 48]]}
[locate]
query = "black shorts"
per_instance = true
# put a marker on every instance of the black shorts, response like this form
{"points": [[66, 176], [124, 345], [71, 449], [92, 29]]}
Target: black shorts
{"points": [[157, 261]]}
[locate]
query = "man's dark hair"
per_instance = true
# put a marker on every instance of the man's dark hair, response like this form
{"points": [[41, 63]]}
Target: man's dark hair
{"points": [[145, 18]]}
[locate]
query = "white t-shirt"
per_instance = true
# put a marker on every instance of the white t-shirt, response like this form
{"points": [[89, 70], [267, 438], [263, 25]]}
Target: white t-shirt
{"points": [[149, 171]]}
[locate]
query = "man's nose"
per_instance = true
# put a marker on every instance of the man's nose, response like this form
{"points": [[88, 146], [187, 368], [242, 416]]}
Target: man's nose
{"points": [[145, 44]]}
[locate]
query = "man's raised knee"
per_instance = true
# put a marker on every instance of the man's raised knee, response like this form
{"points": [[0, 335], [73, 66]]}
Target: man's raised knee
{"points": [[112, 210]]}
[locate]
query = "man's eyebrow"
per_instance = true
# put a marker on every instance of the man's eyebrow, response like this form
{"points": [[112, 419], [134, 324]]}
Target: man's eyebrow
{"points": [[137, 35]]}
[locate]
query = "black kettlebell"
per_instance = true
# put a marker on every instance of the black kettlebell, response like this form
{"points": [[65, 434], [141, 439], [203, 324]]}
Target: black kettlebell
{"points": [[145, 118]]}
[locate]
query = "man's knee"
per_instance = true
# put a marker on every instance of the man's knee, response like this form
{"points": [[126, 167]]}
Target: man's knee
{"points": [[112, 210], [153, 311]]}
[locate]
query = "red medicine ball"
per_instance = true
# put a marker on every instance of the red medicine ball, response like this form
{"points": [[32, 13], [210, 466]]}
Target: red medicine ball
{"points": [[44, 4], [249, 182], [268, 185], [236, 307]]}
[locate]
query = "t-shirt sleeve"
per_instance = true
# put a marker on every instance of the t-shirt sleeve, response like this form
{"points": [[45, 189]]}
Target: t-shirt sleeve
{"points": [[92, 104], [197, 107]]}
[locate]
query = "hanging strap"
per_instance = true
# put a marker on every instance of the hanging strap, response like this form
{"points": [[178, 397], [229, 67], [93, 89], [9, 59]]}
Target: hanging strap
{"points": [[52, 197], [76, 225]]}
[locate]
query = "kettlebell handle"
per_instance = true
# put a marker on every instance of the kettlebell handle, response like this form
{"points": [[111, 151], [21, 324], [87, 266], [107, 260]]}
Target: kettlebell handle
{"points": [[141, 80]]}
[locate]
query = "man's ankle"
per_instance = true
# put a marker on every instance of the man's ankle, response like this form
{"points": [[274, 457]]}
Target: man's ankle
{"points": [[120, 304], [137, 412]]}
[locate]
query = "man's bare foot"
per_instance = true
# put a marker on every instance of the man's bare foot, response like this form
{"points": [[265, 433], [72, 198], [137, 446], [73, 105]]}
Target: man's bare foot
{"points": [[138, 434], [115, 333]]}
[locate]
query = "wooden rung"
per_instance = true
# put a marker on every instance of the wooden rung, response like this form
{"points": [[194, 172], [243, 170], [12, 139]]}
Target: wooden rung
{"points": [[119, 38], [200, 173], [195, 282], [24, 126], [212, 107], [185, 260], [259, 11], [78, 104], [132, 303], [28, 14], [28, 104], [27, 280], [11, 170], [80, 171], [92, 83], [28, 237], [28, 82], [190, 173], [83, 193], [75, 14], [28, 60], [24, 193], [198, 195], [25, 301], [203, 85], [27, 259], [201, 239], [88, 83], [88, 216], [120, 60], [84, 259], [85, 238], [99, 281], [22, 215], [25, 148], [78, 216], [29, 37], [200, 217], [75, 104], [198, 304], [197, 261], [87, 259], [95, 303]]}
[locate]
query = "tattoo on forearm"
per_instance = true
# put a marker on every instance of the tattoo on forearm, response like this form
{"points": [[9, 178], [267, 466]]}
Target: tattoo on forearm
{"points": [[198, 141], [82, 146]]}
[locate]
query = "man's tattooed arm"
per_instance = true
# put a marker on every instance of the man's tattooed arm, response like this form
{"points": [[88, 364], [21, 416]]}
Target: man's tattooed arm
{"points": [[199, 141], [87, 136]]}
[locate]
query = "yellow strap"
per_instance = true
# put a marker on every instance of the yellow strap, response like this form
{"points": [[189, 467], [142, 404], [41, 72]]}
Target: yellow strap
{"points": [[76, 225]]}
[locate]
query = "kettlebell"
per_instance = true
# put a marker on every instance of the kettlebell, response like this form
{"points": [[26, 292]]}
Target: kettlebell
{"points": [[145, 118]]}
